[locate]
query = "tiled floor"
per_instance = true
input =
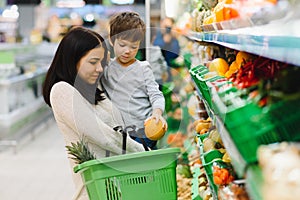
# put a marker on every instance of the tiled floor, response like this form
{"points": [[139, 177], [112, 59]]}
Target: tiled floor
{"points": [[39, 170]]}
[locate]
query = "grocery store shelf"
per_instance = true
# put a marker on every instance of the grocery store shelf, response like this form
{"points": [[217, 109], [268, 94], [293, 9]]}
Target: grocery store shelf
{"points": [[207, 107], [195, 184], [254, 182], [281, 47], [237, 160], [23, 77], [19, 47]]}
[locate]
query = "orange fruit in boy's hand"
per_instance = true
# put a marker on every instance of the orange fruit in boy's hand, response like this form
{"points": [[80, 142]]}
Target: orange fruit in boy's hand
{"points": [[154, 131]]}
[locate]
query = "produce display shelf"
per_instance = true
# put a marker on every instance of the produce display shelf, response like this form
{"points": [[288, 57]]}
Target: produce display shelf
{"points": [[254, 182], [17, 48], [237, 160], [195, 184], [280, 48], [277, 41], [207, 107], [188, 146], [247, 126]]}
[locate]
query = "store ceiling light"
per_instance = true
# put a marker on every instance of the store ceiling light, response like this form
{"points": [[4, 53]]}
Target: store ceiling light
{"points": [[11, 12], [89, 17], [122, 2], [70, 3], [172, 8]]}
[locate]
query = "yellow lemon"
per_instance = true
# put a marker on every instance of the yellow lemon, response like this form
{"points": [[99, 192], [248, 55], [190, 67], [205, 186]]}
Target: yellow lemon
{"points": [[242, 57], [219, 65], [234, 66]]}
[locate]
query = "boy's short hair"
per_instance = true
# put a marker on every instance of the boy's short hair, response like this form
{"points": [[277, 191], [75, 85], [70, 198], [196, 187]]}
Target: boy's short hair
{"points": [[128, 26]]}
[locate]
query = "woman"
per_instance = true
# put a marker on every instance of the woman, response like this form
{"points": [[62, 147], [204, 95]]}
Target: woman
{"points": [[80, 108]]}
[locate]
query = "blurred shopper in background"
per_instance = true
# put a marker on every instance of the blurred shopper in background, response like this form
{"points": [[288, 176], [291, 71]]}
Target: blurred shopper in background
{"points": [[157, 61], [168, 42]]}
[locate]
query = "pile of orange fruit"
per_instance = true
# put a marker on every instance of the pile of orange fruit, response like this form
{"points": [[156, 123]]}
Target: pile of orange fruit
{"points": [[222, 68], [224, 10]]}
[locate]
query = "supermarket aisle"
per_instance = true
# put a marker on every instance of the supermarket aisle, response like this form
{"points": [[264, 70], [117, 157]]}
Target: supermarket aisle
{"points": [[39, 170]]}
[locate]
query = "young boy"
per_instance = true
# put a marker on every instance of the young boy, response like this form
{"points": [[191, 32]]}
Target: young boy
{"points": [[130, 83]]}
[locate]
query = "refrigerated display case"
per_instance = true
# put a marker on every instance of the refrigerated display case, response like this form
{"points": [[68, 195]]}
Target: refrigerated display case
{"points": [[22, 106]]}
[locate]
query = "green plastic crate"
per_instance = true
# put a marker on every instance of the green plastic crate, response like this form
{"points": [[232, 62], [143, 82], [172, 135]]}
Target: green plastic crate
{"points": [[211, 155], [144, 175], [250, 127], [254, 182], [188, 60], [208, 167], [195, 184], [200, 69], [225, 103], [248, 114], [167, 90], [219, 98], [208, 159], [200, 138], [201, 83]]}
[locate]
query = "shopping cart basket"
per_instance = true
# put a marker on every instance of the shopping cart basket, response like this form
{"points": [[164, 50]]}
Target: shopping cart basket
{"points": [[149, 175]]}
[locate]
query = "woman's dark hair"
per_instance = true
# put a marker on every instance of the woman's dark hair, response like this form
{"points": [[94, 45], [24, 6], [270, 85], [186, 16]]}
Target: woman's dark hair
{"points": [[74, 45]]}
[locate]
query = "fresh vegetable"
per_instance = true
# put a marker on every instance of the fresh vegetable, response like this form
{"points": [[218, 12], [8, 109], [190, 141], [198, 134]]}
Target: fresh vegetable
{"points": [[215, 136], [226, 157], [201, 126], [184, 186], [234, 67], [222, 175], [184, 170], [242, 58], [252, 72], [233, 191], [80, 151], [176, 139], [222, 11], [208, 144]]}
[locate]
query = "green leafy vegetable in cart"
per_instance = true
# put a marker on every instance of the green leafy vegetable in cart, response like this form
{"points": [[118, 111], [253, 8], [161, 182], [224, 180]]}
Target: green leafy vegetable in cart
{"points": [[80, 152]]}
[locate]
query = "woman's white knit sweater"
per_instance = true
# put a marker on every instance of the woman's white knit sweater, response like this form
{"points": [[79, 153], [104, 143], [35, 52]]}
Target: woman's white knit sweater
{"points": [[76, 117]]}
